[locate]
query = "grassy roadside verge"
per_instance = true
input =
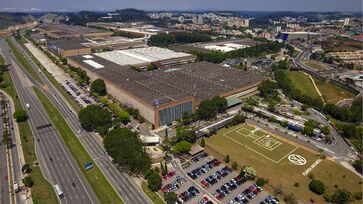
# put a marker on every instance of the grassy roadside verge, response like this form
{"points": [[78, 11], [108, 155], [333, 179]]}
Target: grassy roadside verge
{"points": [[50, 77], [152, 195], [42, 191], [99, 183], [23, 61]]}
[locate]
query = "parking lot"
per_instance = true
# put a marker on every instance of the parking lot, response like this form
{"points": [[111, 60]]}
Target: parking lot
{"points": [[215, 183]]}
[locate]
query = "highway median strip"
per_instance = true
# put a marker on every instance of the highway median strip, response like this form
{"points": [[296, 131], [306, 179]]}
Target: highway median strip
{"points": [[99, 183], [42, 191]]}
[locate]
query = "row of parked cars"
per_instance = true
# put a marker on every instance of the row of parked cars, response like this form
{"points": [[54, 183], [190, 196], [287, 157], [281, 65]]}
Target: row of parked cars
{"points": [[214, 178], [199, 157], [228, 187], [195, 173], [270, 200], [169, 175], [205, 200], [247, 195], [188, 194], [175, 185]]}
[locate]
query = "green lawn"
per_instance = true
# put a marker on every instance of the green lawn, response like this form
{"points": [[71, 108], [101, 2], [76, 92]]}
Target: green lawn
{"points": [[284, 173], [23, 61], [332, 93], [99, 183], [151, 194], [303, 83], [42, 191]]}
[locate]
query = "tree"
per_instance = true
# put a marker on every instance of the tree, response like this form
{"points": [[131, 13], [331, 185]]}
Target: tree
{"points": [[304, 107], [182, 147], [234, 165], [358, 165], [6, 141], [154, 181], [28, 182], [308, 130], [20, 115], [98, 86], [127, 150], [202, 143], [26, 169], [317, 186], [227, 159], [187, 118], [325, 130], [340, 196], [249, 172], [94, 116], [171, 198], [163, 172], [261, 182]]}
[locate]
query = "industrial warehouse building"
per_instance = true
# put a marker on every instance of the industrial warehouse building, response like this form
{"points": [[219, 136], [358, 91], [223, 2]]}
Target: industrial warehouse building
{"points": [[141, 57], [163, 95], [66, 48], [63, 31]]}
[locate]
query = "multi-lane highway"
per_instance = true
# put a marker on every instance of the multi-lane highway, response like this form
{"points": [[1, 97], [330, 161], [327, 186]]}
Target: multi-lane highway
{"points": [[56, 162], [122, 183], [4, 185]]}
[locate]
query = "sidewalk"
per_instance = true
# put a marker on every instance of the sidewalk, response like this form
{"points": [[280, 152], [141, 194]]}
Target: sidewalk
{"points": [[19, 148]]}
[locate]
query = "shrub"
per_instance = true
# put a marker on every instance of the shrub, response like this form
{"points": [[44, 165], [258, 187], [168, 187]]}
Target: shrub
{"points": [[317, 187], [261, 182], [20, 115], [28, 182], [26, 169], [227, 159]]}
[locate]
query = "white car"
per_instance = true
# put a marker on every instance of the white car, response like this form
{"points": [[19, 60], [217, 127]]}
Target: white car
{"points": [[16, 187]]}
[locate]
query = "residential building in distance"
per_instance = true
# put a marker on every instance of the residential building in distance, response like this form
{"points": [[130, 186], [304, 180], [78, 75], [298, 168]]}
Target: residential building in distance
{"points": [[238, 22]]}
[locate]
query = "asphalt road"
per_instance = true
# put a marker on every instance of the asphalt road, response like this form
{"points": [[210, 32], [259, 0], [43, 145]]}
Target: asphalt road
{"points": [[122, 183], [56, 161], [4, 185]]}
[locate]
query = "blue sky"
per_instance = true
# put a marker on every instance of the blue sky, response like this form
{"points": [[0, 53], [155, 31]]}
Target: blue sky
{"points": [[244, 5]]}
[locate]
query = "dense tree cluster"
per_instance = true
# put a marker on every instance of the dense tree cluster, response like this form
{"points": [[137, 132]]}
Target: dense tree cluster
{"points": [[154, 180], [171, 198], [126, 34], [124, 15], [268, 90], [209, 108], [164, 39], [236, 120], [80, 75], [94, 117], [183, 134], [127, 151], [254, 51], [98, 86], [181, 147], [352, 114]]}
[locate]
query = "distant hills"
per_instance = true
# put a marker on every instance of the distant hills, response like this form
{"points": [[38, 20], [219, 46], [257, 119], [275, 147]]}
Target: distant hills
{"points": [[9, 19]]}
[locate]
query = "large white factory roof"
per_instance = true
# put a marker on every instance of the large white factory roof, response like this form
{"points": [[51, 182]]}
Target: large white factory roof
{"points": [[140, 55]]}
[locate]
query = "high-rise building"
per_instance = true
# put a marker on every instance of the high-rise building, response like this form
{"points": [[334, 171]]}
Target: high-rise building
{"points": [[346, 21], [238, 22], [278, 29], [181, 19]]}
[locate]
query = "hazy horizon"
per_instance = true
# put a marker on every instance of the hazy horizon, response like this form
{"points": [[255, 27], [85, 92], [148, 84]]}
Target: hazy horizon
{"points": [[192, 5]]}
